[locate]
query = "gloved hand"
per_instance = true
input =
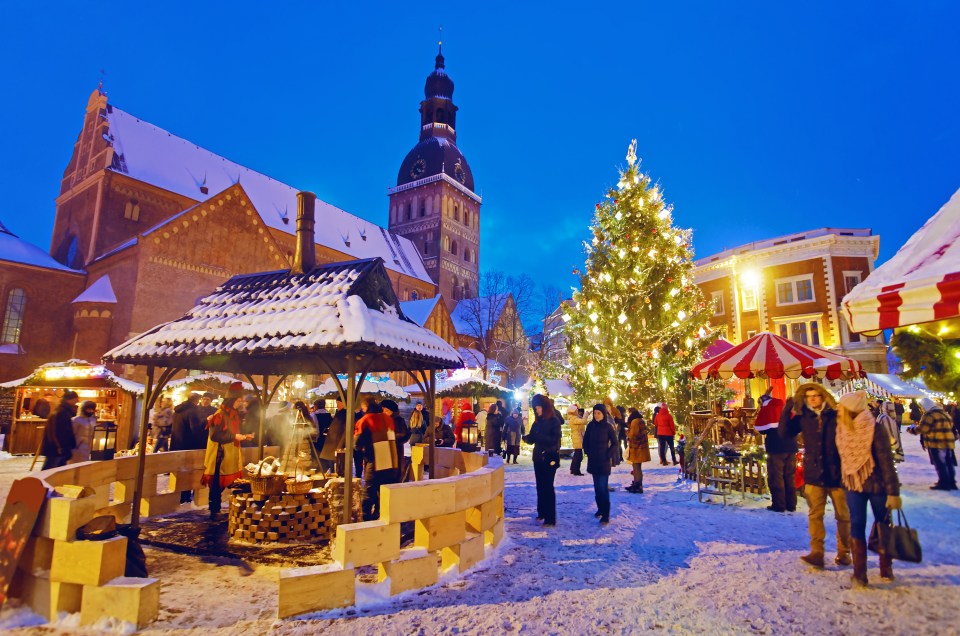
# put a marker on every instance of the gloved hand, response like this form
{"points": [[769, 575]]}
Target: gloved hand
{"points": [[894, 503]]}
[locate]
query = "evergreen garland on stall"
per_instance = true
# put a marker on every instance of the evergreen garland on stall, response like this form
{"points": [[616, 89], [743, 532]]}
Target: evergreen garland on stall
{"points": [[638, 322], [934, 359]]}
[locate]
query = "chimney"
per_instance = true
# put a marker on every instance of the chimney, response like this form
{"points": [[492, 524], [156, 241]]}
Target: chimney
{"points": [[305, 258]]}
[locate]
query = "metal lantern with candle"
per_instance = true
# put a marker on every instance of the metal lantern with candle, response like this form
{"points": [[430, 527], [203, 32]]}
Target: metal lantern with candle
{"points": [[468, 436], [104, 443]]}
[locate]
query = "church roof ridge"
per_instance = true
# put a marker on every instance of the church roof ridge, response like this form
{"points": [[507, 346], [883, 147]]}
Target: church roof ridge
{"points": [[148, 153]]}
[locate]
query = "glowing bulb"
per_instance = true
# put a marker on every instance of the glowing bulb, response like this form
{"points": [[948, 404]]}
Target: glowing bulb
{"points": [[594, 316], [682, 315], [666, 306], [678, 239], [652, 253], [622, 253], [590, 368], [656, 354], [566, 317], [622, 318], [663, 214], [613, 395], [674, 292], [596, 330], [689, 343], [618, 215]]}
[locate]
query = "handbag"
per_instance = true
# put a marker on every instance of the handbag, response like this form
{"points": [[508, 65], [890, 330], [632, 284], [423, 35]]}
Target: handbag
{"points": [[873, 541], [902, 542]]}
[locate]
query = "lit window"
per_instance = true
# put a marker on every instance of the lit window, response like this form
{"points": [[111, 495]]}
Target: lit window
{"points": [[802, 331], [132, 210], [750, 299], [717, 298], [466, 218], [13, 316], [794, 290]]}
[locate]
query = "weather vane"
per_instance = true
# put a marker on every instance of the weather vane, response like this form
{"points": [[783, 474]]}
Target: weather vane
{"points": [[441, 39]]}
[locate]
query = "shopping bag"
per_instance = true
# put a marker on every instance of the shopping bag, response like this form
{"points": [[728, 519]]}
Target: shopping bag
{"points": [[873, 542], [902, 542]]}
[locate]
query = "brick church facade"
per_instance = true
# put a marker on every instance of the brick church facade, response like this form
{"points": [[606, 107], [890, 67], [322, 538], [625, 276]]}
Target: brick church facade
{"points": [[147, 222]]}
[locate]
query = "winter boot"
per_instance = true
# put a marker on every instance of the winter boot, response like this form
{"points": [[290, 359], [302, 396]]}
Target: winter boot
{"points": [[859, 562], [814, 559], [843, 543], [640, 486], [886, 567]]}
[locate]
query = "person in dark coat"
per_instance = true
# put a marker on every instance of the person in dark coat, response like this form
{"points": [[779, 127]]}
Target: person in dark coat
{"points": [[443, 434], [58, 440], [335, 436], [323, 421], [186, 418], [512, 432], [494, 432], [375, 440], [419, 421], [781, 455], [545, 435], [600, 444], [402, 432], [869, 477], [812, 413]]}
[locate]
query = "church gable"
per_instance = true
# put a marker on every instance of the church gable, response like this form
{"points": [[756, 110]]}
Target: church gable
{"points": [[196, 250]]}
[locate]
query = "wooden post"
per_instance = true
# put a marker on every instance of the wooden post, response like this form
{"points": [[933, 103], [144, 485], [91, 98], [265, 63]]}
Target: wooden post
{"points": [[348, 434], [431, 390], [141, 448], [264, 387]]}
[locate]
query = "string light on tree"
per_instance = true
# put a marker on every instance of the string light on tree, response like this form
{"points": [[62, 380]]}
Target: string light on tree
{"points": [[634, 261]]}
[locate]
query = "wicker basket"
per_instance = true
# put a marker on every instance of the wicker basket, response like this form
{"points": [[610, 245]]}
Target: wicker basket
{"points": [[295, 487], [267, 485]]}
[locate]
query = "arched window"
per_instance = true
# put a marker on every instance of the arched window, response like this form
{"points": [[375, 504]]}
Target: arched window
{"points": [[446, 243], [13, 316], [423, 209], [466, 218], [453, 248], [440, 115], [466, 254], [132, 210], [414, 295], [409, 212], [456, 289], [456, 213]]}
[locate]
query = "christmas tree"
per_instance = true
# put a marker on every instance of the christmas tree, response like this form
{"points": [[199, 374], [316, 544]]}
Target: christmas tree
{"points": [[638, 322]]}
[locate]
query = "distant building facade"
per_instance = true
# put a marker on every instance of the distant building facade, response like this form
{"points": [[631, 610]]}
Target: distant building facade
{"points": [[792, 286]]}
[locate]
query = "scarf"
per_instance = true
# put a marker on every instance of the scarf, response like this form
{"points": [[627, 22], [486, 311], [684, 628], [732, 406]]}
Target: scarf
{"points": [[855, 445]]}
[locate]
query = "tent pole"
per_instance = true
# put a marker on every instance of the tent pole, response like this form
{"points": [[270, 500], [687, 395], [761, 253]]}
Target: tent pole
{"points": [[264, 388], [348, 435], [431, 393], [141, 449]]}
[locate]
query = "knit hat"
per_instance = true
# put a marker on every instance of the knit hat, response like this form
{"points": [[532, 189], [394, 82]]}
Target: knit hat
{"points": [[235, 391], [855, 402], [927, 403], [69, 395], [391, 405], [573, 410], [602, 408]]}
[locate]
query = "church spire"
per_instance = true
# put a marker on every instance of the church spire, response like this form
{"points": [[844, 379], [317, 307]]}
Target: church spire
{"points": [[439, 64]]}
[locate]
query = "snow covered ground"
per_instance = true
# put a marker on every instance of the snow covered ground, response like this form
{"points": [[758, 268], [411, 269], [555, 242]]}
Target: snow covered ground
{"points": [[665, 563]]}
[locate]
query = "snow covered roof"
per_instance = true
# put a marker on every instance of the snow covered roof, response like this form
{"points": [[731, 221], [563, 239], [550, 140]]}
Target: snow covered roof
{"points": [[16, 250], [384, 386], [100, 291], [921, 283], [151, 154], [419, 310], [39, 377], [204, 378], [279, 322]]}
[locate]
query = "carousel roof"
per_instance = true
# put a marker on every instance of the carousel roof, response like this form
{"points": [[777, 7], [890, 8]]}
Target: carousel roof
{"points": [[283, 322]]}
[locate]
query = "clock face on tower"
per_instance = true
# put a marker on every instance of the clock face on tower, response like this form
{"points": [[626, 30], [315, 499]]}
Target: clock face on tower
{"points": [[419, 167]]}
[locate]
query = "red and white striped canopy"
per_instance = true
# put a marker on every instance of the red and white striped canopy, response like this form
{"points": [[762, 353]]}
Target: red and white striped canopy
{"points": [[921, 283], [769, 356]]}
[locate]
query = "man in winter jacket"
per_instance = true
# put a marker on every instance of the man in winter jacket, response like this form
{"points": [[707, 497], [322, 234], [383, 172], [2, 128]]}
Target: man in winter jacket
{"points": [[376, 442], [938, 437], [813, 414], [401, 430], [577, 426], [666, 430], [58, 439], [781, 455]]}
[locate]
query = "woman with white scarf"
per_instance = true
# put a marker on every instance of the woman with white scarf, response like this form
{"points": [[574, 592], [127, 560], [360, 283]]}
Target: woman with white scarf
{"points": [[888, 419], [869, 476]]}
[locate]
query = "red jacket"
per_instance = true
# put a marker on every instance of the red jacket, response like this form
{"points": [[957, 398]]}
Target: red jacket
{"points": [[465, 416], [769, 414], [664, 422]]}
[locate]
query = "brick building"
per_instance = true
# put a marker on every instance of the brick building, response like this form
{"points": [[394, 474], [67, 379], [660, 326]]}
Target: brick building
{"points": [[792, 286], [434, 203], [146, 223]]}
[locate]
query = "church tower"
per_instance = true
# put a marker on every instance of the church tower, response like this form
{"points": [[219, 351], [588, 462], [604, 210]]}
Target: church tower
{"points": [[434, 203]]}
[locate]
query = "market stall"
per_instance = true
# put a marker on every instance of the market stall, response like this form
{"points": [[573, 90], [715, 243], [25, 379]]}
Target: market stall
{"points": [[32, 399], [722, 462]]}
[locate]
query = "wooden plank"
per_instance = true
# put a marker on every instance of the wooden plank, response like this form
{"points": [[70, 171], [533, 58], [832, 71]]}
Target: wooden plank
{"points": [[88, 562], [316, 588], [366, 543], [413, 569], [434, 533], [416, 500], [132, 600]]}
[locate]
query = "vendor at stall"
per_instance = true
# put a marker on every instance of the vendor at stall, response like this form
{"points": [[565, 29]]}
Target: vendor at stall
{"points": [[221, 463]]}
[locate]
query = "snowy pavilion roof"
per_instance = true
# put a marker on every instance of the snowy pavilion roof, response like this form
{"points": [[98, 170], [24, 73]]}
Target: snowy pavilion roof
{"points": [[280, 322]]}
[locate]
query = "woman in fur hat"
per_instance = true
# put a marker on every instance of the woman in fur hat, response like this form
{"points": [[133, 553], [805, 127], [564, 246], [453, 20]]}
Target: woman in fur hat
{"points": [[545, 436], [221, 463], [869, 476]]}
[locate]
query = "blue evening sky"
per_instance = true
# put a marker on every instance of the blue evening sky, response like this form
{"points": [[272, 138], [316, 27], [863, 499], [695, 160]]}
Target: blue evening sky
{"points": [[758, 118]]}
